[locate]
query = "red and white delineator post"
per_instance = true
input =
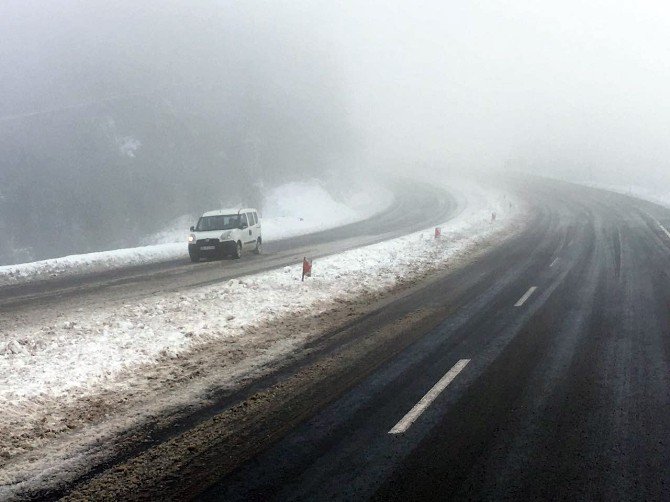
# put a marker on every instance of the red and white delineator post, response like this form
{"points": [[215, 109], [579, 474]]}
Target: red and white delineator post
{"points": [[438, 232], [306, 268]]}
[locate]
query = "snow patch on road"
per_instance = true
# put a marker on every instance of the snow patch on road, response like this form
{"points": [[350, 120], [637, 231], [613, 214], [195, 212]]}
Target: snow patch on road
{"points": [[292, 209]]}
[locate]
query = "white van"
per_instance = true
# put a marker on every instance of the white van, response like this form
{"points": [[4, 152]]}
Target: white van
{"points": [[226, 232]]}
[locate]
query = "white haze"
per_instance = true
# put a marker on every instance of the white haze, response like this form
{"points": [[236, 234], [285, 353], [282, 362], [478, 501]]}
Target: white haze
{"points": [[572, 89], [554, 86], [577, 90]]}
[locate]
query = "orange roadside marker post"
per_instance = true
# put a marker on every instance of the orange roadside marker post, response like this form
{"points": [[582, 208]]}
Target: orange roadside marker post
{"points": [[306, 268]]}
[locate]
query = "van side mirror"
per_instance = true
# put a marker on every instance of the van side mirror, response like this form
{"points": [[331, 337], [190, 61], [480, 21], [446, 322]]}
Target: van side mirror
{"points": [[192, 229]]}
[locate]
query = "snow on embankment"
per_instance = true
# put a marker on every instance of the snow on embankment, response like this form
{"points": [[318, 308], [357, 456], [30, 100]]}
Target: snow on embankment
{"points": [[303, 208], [86, 351], [89, 263], [289, 210]]}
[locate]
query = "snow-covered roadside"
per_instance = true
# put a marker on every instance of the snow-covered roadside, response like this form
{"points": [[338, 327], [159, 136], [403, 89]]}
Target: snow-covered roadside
{"points": [[289, 210], [89, 356], [88, 348], [90, 263]]}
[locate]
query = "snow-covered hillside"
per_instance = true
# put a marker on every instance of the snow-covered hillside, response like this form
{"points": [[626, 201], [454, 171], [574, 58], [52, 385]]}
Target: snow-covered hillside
{"points": [[302, 208]]}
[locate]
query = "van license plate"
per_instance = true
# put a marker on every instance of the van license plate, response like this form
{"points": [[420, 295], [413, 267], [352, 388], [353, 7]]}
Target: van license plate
{"points": [[208, 248]]}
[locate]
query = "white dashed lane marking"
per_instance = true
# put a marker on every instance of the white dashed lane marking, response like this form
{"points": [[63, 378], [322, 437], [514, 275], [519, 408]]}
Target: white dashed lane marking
{"points": [[525, 297], [426, 400]]}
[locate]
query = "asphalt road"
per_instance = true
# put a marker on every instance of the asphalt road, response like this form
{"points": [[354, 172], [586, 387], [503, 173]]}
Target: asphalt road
{"points": [[560, 392]]}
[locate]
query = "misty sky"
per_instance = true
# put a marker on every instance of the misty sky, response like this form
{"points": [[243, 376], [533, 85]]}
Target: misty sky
{"points": [[552, 86], [546, 85], [112, 108]]}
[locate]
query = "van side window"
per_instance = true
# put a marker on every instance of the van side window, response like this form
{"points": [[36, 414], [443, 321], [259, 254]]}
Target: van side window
{"points": [[243, 220], [252, 220], [256, 217]]}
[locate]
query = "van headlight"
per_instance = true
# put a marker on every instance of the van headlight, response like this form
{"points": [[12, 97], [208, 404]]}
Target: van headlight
{"points": [[191, 238], [225, 235]]}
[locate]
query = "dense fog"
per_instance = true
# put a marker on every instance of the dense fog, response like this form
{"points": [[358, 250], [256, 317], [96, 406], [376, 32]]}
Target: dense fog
{"points": [[118, 117]]}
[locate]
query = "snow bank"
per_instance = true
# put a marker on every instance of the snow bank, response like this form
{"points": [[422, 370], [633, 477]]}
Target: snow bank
{"points": [[302, 208], [292, 209], [89, 263], [87, 350]]}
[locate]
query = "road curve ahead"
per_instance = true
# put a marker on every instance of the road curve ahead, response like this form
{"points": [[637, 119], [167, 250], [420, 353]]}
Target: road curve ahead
{"points": [[541, 371]]}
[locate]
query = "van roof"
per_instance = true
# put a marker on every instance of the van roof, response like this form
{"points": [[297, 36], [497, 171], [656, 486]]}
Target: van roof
{"points": [[232, 210]]}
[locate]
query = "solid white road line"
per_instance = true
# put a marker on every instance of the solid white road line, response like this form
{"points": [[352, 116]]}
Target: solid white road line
{"points": [[665, 230], [525, 297], [660, 225], [554, 262], [621, 267], [426, 400]]}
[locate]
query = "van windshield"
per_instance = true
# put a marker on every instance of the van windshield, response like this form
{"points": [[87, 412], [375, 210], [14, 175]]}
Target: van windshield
{"points": [[218, 222]]}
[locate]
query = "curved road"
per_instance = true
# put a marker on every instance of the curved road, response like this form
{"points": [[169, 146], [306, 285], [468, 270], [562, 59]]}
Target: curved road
{"points": [[565, 396], [539, 371]]}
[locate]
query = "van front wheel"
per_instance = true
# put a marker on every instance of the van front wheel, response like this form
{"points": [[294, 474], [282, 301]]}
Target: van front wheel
{"points": [[238, 250], [259, 246]]}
